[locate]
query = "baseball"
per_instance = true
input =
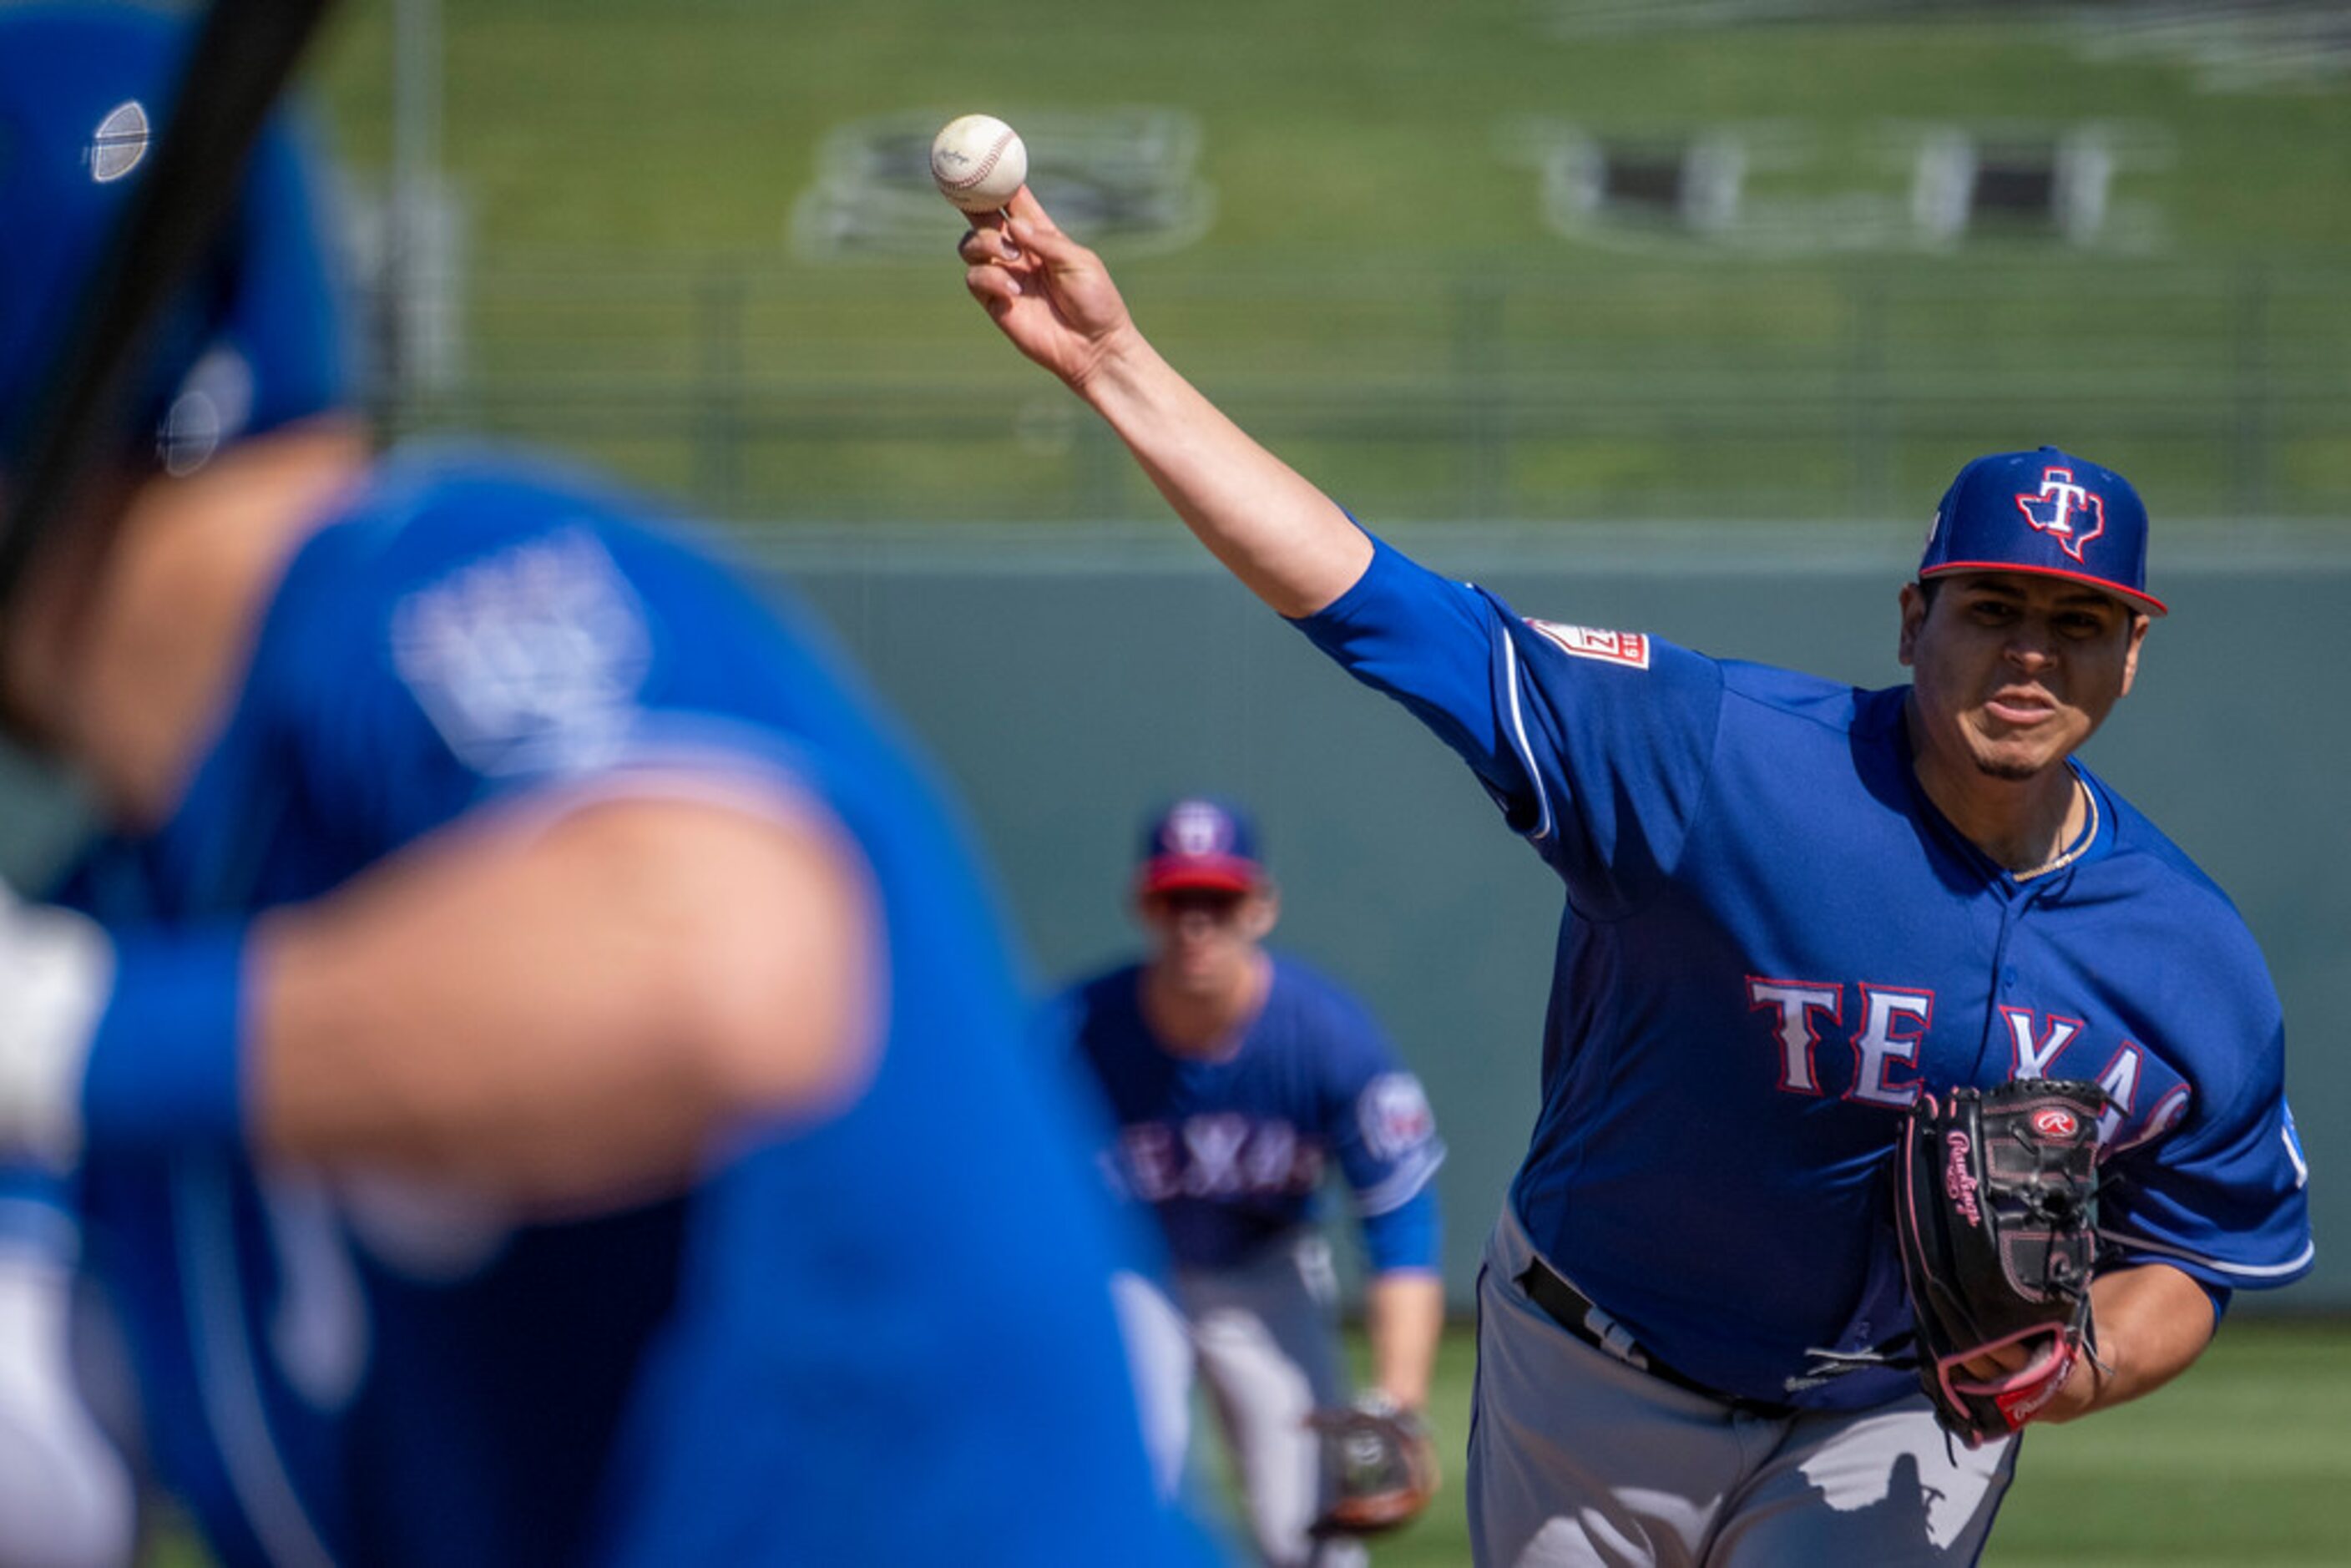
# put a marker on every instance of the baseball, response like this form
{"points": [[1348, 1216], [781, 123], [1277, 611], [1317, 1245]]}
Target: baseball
{"points": [[978, 161]]}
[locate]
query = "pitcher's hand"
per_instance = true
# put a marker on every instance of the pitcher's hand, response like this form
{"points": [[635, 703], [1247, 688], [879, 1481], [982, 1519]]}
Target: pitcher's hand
{"points": [[1052, 296]]}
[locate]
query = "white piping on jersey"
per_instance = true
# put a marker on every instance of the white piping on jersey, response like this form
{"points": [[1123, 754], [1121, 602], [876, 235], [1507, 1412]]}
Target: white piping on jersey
{"points": [[1401, 1185], [318, 1333], [701, 772], [1519, 739], [2242, 1271], [224, 1375], [719, 762]]}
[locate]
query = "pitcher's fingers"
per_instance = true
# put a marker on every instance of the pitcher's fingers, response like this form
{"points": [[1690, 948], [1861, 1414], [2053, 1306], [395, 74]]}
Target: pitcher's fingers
{"points": [[1028, 227], [1025, 207], [984, 244], [993, 286]]}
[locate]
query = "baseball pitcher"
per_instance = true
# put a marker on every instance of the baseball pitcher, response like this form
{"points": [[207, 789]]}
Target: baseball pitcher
{"points": [[1795, 911]]}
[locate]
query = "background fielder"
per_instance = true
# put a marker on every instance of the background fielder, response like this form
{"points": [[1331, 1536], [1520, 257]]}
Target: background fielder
{"points": [[1238, 1078], [1791, 907]]}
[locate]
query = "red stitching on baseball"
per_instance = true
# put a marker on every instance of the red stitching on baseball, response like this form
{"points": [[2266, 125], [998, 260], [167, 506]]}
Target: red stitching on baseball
{"points": [[979, 171]]}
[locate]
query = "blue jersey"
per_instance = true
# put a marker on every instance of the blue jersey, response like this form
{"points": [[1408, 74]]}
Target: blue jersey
{"points": [[1231, 1151], [885, 1336], [1773, 943]]}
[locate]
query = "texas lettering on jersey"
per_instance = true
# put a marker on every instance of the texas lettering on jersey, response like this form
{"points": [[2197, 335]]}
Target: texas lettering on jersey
{"points": [[1221, 1155], [1890, 1030]]}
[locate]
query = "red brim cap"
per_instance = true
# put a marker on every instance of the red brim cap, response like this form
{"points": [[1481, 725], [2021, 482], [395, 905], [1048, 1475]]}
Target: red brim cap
{"points": [[2136, 600], [1220, 874]]}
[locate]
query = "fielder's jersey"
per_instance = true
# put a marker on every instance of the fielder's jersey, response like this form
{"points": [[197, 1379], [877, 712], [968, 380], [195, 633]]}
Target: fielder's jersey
{"points": [[1231, 1151], [1774, 942], [884, 1336]]}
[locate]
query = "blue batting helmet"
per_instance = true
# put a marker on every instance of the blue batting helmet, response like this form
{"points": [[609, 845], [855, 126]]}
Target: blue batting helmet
{"points": [[259, 335]]}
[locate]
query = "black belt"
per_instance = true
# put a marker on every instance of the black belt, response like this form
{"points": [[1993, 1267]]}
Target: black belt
{"points": [[1571, 1309]]}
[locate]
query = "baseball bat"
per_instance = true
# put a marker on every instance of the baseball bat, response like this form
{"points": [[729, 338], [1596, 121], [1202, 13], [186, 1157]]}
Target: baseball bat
{"points": [[241, 58]]}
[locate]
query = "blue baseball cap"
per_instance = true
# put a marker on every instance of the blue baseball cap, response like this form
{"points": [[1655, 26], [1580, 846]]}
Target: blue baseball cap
{"points": [[1200, 842], [260, 338], [2045, 512]]}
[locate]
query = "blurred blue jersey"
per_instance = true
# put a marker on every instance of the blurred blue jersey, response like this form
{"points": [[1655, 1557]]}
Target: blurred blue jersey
{"points": [[882, 1337], [1231, 1151]]}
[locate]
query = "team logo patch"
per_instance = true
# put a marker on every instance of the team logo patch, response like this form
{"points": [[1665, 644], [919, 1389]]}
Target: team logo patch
{"points": [[530, 660], [1394, 1114], [2055, 1122], [1198, 827], [1630, 648], [2070, 514]]}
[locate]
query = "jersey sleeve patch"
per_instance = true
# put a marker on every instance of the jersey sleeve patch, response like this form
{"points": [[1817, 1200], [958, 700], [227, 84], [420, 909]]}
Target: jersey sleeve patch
{"points": [[529, 660], [1394, 1114], [1630, 649]]}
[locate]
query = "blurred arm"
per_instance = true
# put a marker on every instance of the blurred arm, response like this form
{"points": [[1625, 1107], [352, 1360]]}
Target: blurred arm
{"points": [[1404, 1316], [565, 1011], [1286, 540]]}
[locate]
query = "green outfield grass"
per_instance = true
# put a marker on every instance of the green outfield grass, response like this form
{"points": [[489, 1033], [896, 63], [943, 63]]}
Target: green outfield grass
{"points": [[1376, 292], [2245, 1460]]}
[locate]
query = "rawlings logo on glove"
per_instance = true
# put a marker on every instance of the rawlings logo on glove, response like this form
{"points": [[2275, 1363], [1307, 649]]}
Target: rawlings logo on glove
{"points": [[1995, 1207]]}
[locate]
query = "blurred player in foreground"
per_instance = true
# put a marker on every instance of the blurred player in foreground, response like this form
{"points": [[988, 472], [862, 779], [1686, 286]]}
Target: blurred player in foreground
{"points": [[1793, 907], [541, 1078], [1236, 1078]]}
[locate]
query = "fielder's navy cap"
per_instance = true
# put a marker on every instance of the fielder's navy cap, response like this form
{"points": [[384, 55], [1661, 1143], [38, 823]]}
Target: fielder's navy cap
{"points": [[1200, 842], [2046, 512]]}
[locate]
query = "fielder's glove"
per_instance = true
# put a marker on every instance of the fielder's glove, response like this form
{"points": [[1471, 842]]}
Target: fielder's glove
{"points": [[1379, 1468], [1995, 1205]]}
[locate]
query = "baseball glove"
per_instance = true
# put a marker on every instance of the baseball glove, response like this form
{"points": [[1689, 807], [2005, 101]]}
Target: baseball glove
{"points": [[1995, 1205], [1379, 1468]]}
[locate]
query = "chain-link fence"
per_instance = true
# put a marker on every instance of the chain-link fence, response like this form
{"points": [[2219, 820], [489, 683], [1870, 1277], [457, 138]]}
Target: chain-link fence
{"points": [[1728, 389]]}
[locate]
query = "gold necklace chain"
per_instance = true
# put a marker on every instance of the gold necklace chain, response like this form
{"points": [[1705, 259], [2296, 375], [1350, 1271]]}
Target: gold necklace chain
{"points": [[2082, 841]]}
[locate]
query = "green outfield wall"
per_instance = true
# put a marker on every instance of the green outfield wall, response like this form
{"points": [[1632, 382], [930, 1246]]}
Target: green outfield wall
{"points": [[1066, 679]]}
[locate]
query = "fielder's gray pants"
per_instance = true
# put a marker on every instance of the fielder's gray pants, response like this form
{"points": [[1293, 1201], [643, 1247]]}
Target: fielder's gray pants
{"points": [[1264, 1340]]}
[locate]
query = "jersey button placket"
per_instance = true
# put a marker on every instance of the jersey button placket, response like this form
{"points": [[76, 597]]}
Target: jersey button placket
{"points": [[2003, 977]]}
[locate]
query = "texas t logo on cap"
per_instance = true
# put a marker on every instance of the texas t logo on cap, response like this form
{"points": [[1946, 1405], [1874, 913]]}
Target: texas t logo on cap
{"points": [[2071, 514], [1201, 842], [2040, 513]]}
